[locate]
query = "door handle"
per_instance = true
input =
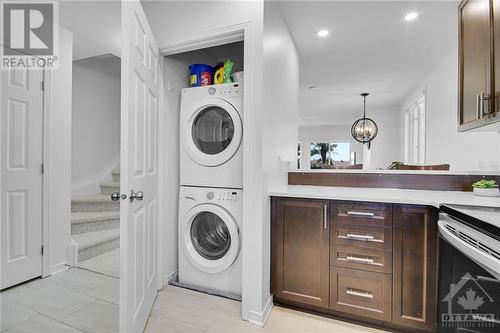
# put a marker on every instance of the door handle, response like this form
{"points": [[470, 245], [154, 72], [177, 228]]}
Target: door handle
{"points": [[325, 217], [139, 195], [115, 196], [480, 105]]}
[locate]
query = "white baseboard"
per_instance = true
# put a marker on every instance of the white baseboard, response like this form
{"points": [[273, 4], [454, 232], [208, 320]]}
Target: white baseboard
{"points": [[260, 318], [168, 278], [72, 253], [90, 185], [61, 267]]}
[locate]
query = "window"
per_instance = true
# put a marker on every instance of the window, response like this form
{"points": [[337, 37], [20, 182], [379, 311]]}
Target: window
{"points": [[415, 133], [329, 154]]}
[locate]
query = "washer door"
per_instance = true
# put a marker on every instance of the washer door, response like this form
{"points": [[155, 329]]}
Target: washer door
{"points": [[211, 238], [213, 133]]}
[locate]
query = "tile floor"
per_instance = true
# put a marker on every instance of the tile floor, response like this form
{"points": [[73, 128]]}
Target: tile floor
{"points": [[78, 301], [73, 301], [178, 310]]}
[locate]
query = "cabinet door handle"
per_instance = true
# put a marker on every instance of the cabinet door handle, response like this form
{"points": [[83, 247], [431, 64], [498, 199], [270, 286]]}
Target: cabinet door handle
{"points": [[350, 212], [325, 217], [480, 105], [361, 260], [360, 293], [360, 237]]}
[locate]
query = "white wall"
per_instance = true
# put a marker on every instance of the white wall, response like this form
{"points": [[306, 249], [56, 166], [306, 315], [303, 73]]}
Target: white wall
{"points": [[464, 151], [386, 147], [59, 148], [279, 122], [328, 133], [95, 122]]}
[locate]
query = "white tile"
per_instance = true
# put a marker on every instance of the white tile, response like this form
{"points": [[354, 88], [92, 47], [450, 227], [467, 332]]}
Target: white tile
{"points": [[80, 280], [99, 317], [181, 310], [161, 325], [108, 291], [13, 313], [55, 302], [41, 324]]}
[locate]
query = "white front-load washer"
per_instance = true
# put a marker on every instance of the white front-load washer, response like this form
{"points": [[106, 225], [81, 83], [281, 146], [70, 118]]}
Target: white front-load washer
{"points": [[211, 133], [210, 240]]}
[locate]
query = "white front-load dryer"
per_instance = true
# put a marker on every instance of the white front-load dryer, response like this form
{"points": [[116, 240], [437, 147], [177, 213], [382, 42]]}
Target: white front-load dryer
{"points": [[211, 133], [210, 240]]}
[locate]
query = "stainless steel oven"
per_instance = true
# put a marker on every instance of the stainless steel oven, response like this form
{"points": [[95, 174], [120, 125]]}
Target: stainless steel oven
{"points": [[469, 269]]}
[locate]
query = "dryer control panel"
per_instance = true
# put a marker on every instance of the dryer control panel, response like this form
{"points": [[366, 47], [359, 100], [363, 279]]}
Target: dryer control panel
{"points": [[225, 90], [226, 197]]}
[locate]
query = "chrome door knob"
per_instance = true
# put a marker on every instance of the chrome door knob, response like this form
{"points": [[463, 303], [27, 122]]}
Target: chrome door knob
{"points": [[139, 195], [115, 196]]}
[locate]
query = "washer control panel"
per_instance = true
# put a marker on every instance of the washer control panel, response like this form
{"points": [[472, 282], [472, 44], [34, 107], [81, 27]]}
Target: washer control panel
{"points": [[225, 197]]}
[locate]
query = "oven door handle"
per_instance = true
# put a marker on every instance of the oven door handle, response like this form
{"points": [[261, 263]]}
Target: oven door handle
{"points": [[488, 263]]}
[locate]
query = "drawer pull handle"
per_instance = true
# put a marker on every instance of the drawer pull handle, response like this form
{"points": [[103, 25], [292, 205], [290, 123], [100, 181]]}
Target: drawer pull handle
{"points": [[361, 260], [359, 237], [360, 293], [354, 213]]}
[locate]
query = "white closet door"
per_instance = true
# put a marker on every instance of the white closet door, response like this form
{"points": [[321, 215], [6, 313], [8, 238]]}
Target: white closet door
{"points": [[21, 180], [139, 218]]}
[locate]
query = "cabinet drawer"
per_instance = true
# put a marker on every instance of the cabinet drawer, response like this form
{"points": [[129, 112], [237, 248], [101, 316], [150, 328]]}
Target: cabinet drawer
{"points": [[366, 236], [361, 293], [361, 258], [363, 213]]}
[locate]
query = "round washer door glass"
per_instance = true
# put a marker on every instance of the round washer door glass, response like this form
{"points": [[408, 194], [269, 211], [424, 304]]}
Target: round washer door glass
{"points": [[212, 130], [210, 236]]}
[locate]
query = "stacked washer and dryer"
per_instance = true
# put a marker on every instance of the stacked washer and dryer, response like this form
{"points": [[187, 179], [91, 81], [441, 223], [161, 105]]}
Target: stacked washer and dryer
{"points": [[210, 196]]}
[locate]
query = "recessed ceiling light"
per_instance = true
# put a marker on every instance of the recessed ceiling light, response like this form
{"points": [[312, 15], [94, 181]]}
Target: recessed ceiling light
{"points": [[411, 16], [323, 33]]}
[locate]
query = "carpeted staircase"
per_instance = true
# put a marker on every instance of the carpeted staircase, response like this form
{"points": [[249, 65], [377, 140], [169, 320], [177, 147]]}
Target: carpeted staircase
{"points": [[95, 227]]}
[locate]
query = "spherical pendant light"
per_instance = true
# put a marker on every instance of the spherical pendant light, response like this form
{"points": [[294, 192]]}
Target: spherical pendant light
{"points": [[364, 130]]}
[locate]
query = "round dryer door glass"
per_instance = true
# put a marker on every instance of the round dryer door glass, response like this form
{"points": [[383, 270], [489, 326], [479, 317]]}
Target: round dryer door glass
{"points": [[210, 236], [213, 130]]}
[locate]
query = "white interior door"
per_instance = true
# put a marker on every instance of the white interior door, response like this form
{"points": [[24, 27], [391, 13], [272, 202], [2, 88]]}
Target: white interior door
{"points": [[139, 218], [21, 179]]}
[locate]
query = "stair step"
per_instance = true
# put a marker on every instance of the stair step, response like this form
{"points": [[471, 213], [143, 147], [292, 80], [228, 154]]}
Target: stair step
{"points": [[98, 203], [116, 174], [94, 221], [95, 243], [108, 188]]}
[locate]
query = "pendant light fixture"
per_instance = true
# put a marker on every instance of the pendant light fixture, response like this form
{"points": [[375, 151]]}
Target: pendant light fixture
{"points": [[364, 130]]}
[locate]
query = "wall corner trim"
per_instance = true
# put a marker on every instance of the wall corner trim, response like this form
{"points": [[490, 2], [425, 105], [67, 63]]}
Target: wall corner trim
{"points": [[260, 318]]}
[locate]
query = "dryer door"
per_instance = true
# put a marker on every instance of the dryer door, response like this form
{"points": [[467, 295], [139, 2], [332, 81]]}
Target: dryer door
{"points": [[211, 238], [213, 132]]}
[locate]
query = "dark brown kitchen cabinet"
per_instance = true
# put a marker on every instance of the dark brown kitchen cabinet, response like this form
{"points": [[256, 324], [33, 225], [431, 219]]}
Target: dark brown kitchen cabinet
{"points": [[368, 262], [414, 267], [301, 251], [477, 62]]}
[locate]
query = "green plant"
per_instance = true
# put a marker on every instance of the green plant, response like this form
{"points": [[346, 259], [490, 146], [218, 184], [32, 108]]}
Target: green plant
{"points": [[485, 184]]}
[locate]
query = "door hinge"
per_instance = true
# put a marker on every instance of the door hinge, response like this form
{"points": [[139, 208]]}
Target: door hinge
{"points": [[42, 168], [42, 250], [42, 85]]}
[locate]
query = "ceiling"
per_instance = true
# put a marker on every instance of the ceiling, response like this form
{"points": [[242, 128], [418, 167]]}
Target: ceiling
{"points": [[96, 26], [370, 48]]}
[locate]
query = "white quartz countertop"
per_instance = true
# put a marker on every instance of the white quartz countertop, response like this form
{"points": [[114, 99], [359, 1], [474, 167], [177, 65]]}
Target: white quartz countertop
{"points": [[415, 197]]}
